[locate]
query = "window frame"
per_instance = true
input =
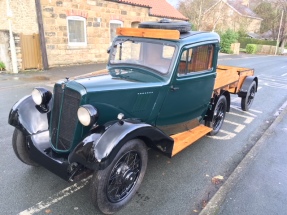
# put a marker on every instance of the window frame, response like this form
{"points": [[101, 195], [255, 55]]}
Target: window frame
{"points": [[194, 50], [114, 21], [77, 18]]}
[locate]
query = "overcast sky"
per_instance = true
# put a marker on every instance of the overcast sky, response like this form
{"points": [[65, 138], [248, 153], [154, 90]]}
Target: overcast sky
{"points": [[173, 2]]}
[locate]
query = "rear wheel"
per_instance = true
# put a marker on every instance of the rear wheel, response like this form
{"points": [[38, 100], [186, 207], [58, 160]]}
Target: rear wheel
{"points": [[247, 101], [218, 116], [21, 148], [113, 187]]}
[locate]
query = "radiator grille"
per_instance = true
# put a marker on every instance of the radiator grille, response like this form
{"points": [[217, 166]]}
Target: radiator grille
{"points": [[64, 117]]}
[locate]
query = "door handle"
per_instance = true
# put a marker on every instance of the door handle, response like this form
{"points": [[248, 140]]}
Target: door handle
{"points": [[174, 88]]}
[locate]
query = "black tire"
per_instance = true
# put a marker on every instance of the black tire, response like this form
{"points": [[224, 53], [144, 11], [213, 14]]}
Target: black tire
{"points": [[218, 116], [113, 187], [181, 26], [247, 101], [21, 148]]}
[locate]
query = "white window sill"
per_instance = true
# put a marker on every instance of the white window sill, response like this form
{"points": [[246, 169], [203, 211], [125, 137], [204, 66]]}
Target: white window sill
{"points": [[77, 46]]}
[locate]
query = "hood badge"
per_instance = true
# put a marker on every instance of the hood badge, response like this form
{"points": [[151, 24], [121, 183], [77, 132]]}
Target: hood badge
{"points": [[64, 83]]}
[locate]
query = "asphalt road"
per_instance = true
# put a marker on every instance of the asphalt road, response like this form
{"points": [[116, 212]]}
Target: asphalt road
{"points": [[181, 185]]}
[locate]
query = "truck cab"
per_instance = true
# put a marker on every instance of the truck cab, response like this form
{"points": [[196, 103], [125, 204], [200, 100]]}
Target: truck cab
{"points": [[175, 71], [162, 89]]}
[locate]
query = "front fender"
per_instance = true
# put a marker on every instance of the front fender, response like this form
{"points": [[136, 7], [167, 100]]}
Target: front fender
{"points": [[25, 116], [105, 146]]}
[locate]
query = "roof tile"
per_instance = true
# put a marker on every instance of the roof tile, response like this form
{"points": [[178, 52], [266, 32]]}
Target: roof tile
{"points": [[136, 2], [242, 9], [160, 8]]}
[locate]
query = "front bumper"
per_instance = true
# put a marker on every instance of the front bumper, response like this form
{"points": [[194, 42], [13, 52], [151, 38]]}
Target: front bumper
{"points": [[42, 153]]}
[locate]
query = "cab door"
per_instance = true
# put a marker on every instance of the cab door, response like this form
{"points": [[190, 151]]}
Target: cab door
{"points": [[190, 89]]}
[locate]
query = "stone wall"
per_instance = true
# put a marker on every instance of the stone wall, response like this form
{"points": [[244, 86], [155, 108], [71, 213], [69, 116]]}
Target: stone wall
{"points": [[4, 50], [98, 14], [235, 48], [24, 17], [5, 54], [18, 50], [24, 20], [267, 49], [254, 26]]}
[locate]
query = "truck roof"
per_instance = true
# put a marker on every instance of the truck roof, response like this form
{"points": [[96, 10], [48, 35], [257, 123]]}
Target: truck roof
{"points": [[198, 36]]}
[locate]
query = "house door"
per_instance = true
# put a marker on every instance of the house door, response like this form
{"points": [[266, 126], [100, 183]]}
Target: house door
{"points": [[31, 52]]}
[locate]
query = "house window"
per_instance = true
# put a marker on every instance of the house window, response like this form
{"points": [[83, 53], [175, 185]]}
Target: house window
{"points": [[77, 35], [196, 59], [114, 24]]}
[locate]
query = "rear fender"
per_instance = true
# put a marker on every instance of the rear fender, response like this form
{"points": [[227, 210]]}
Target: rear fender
{"points": [[99, 149], [29, 117], [227, 96], [246, 84], [213, 102]]}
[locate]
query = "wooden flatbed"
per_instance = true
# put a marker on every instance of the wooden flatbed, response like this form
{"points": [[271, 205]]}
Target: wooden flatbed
{"points": [[231, 78]]}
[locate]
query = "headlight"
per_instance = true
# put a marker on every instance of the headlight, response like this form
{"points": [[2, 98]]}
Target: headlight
{"points": [[41, 96], [87, 115]]}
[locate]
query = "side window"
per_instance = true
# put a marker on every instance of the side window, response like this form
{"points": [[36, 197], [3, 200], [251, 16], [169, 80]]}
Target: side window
{"points": [[77, 35], [114, 24], [196, 59]]}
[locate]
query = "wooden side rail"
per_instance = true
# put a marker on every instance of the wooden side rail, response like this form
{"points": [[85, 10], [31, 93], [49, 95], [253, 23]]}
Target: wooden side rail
{"points": [[150, 33], [185, 139]]}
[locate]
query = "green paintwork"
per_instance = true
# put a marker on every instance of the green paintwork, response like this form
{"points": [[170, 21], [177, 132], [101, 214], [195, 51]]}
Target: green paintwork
{"points": [[139, 92], [128, 93]]}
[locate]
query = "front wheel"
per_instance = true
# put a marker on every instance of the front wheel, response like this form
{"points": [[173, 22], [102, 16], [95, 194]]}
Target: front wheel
{"points": [[21, 148], [218, 116], [113, 187]]}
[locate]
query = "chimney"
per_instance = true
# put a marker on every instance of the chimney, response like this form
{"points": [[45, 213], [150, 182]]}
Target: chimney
{"points": [[245, 3]]}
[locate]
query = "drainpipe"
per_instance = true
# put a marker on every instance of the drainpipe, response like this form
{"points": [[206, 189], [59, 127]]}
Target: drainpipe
{"points": [[42, 34], [12, 42]]}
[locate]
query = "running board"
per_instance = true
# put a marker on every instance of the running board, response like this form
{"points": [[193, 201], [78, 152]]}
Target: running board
{"points": [[185, 139]]}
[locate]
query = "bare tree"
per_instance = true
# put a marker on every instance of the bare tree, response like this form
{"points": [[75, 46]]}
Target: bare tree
{"points": [[218, 16], [282, 6], [268, 12], [194, 10]]}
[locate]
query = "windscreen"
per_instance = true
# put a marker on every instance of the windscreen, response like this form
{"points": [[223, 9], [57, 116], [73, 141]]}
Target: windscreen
{"points": [[157, 56]]}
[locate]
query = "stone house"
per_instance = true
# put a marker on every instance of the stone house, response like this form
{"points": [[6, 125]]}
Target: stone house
{"points": [[72, 32], [231, 14]]}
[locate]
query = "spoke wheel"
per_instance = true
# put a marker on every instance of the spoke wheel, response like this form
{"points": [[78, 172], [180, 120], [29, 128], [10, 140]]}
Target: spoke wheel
{"points": [[218, 116], [21, 148], [113, 187], [124, 176], [247, 101]]}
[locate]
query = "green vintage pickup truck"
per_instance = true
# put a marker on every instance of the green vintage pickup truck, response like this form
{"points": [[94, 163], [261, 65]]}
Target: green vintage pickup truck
{"points": [[162, 89]]}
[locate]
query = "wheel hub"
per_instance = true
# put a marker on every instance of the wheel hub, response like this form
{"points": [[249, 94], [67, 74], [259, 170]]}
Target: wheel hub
{"points": [[129, 177], [122, 169]]}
